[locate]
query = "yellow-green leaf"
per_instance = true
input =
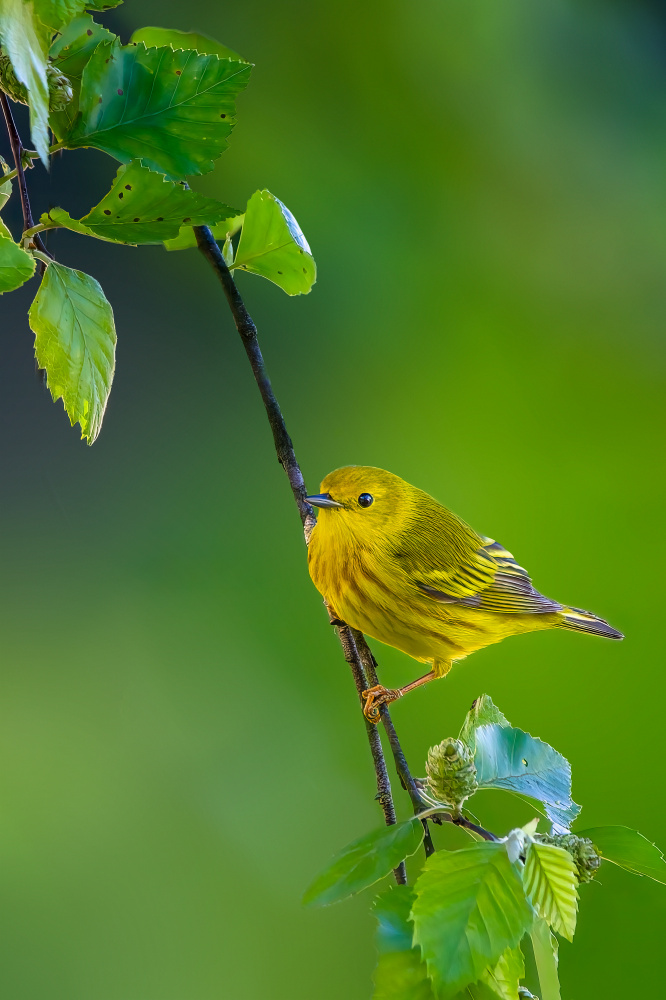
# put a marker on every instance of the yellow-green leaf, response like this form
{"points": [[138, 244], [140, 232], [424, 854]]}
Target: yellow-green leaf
{"points": [[156, 37], [16, 266], [550, 882], [75, 342], [5, 186], [26, 41], [272, 244], [221, 231]]}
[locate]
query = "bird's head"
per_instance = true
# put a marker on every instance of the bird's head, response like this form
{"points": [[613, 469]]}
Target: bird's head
{"points": [[364, 500]]}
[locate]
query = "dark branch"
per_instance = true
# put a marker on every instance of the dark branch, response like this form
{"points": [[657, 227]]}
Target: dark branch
{"points": [[17, 150], [286, 456]]}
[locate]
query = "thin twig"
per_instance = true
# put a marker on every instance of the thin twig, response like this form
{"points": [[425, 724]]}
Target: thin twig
{"points": [[287, 458], [17, 149]]}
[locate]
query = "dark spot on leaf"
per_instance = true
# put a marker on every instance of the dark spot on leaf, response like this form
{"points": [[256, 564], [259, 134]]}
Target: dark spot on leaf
{"points": [[524, 762], [120, 194], [223, 116], [88, 32], [305, 270], [136, 220], [107, 212], [106, 60], [188, 219], [128, 187], [100, 101], [279, 272], [161, 219], [178, 72], [120, 92]]}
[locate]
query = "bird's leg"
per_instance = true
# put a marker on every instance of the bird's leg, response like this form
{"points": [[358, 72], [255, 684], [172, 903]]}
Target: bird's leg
{"points": [[378, 695]]}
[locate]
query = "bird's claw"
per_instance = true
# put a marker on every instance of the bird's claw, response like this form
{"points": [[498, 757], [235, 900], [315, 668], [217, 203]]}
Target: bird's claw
{"points": [[375, 697]]}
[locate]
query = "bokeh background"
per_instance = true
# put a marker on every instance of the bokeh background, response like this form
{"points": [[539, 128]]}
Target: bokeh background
{"points": [[484, 189]]}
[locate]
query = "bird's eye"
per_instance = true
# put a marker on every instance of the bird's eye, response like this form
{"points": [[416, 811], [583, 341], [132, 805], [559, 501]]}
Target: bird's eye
{"points": [[365, 500]]}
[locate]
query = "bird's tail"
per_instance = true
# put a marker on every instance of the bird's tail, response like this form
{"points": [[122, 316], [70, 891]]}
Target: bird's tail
{"points": [[585, 621]]}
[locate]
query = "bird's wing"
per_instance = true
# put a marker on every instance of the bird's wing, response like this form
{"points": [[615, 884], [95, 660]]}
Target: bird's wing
{"points": [[485, 576]]}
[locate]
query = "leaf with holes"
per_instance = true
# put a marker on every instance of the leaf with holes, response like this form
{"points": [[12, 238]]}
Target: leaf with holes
{"points": [[172, 109], [156, 37], [222, 231], [70, 54], [16, 266], [628, 849], [142, 207], [400, 973], [550, 883], [25, 40], [365, 861], [272, 244], [470, 907], [75, 341], [511, 759]]}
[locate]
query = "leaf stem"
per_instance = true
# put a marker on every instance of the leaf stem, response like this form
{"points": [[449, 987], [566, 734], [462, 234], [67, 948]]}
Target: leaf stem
{"points": [[17, 150], [287, 458]]}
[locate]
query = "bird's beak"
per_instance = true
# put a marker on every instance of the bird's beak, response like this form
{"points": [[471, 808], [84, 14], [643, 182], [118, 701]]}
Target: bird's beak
{"points": [[323, 500]]}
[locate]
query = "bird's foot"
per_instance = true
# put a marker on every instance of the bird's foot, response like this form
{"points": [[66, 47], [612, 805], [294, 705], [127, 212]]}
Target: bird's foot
{"points": [[377, 696]]}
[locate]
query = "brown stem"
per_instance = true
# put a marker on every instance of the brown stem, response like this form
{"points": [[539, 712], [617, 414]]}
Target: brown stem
{"points": [[17, 149], [287, 458]]}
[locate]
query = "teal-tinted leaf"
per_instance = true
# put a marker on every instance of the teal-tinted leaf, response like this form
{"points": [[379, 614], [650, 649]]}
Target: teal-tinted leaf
{"points": [[544, 944], [511, 759], [400, 973], [470, 907], [16, 266], [75, 341], [5, 186], [365, 861], [482, 713], [629, 849], [156, 37], [221, 231], [70, 53], [26, 41], [273, 245], [142, 207], [550, 883], [172, 109]]}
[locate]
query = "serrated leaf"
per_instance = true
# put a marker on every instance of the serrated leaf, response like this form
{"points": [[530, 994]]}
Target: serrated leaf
{"points": [[550, 883], [364, 862], [504, 978], [272, 244], [400, 973], [221, 231], [544, 944], [482, 713], [172, 109], [70, 53], [628, 849], [75, 341], [5, 186], [470, 907], [512, 759], [142, 207], [156, 37], [16, 266], [26, 41]]}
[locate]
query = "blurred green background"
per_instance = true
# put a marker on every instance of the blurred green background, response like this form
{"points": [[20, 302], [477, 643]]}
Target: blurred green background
{"points": [[484, 189]]}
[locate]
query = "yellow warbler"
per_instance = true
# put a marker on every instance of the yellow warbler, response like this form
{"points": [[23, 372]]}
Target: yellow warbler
{"points": [[392, 562]]}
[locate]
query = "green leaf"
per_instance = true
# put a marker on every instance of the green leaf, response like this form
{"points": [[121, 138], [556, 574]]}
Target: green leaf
{"points": [[26, 41], [365, 861], [505, 977], [70, 53], [273, 245], [5, 186], [400, 973], [75, 342], [470, 907], [16, 266], [482, 713], [511, 759], [550, 883], [172, 109], [545, 955], [142, 207], [629, 849], [221, 231], [156, 37]]}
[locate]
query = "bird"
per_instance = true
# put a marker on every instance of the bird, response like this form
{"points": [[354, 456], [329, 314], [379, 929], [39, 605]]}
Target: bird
{"points": [[392, 562]]}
